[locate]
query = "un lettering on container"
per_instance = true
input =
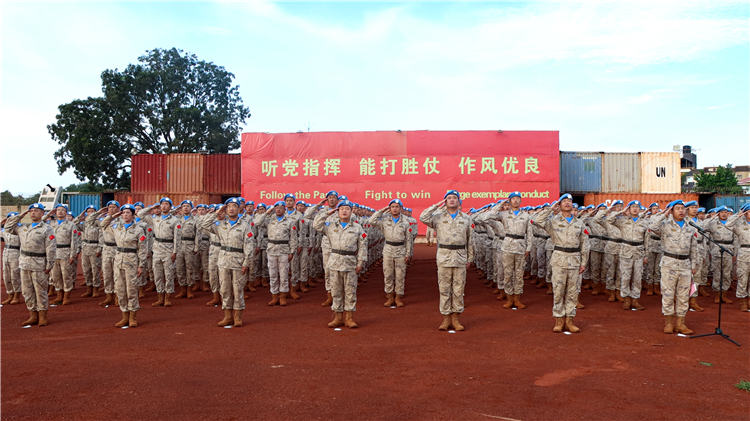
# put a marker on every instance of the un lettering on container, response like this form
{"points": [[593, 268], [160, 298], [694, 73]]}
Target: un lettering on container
{"points": [[660, 172]]}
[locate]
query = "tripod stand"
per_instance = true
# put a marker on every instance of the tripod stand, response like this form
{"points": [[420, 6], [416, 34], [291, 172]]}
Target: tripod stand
{"points": [[722, 250]]}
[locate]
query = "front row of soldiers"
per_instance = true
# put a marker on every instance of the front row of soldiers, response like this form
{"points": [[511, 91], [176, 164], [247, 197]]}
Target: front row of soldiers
{"points": [[292, 243]]}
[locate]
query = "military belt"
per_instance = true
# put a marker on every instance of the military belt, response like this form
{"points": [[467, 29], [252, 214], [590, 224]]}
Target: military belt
{"points": [[542, 236], [344, 252], [14, 247], [106, 243], [614, 240], [32, 254], [516, 236], [723, 242], [677, 256], [632, 243], [599, 237], [214, 243], [189, 238], [91, 241], [127, 250], [63, 246], [278, 241], [394, 243], [653, 237], [568, 249], [745, 246], [163, 240], [232, 249], [452, 246], [502, 237]]}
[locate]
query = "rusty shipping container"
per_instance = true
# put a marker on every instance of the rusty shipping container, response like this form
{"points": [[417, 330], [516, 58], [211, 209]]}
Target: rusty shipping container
{"points": [[185, 173], [149, 199], [621, 172], [148, 173], [660, 172], [645, 198], [222, 173]]}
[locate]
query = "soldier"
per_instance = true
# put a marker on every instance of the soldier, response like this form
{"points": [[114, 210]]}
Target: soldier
{"points": [[633, 230], [539, 248], [214, 251], [454, 238], [167, 236], [282, 241], [740, 225], [261, 263], [720, 262], [130, 261], [332, 199], [109, 249], [238, 246], [91, 253], [304, 242], [11, 247], [66, 234], [498, 230], [679, 262], [202, 257], [186, 263], [348, 254], [611, 250], [516, 247], [568, 261], [702, 275], [396, 252], [692, 216], [596, 253], [653, 257], [37, 258]]}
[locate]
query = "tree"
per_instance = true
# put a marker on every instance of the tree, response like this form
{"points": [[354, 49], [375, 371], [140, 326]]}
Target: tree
{"points": [[724, 181], [169, 102], [9, 199]]}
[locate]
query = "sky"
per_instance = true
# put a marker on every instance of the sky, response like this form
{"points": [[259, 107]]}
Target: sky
{"points": [[608, 75]]}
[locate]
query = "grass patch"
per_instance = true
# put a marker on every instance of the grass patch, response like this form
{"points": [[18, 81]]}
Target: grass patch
{"points": [[743, 385]]}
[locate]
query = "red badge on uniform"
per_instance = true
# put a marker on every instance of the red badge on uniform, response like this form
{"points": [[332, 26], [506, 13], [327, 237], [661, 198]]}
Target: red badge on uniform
{"points": [[143, 238], [75, 231], [294, 228], [51, 237], [249, 234], [695, 234], [252, 224], [179, 226], [149, 230], [364, 235], [302, 221], [79, 233], [585, 231], [409, 229], [472, 226]]}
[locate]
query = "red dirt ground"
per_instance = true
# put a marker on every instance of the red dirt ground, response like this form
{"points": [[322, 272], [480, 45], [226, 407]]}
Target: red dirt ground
{"points": [[286, 364]]}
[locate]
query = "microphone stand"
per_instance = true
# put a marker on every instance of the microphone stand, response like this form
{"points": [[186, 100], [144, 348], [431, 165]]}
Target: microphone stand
{"points": [[722, 249]]}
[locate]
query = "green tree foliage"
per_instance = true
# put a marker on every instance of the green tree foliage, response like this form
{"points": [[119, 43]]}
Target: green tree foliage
{"points": [[9, 199], [724, 181], [169, 102]]}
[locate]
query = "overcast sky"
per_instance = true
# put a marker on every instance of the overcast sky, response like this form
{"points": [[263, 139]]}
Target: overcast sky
{"points": [[610, 76]]}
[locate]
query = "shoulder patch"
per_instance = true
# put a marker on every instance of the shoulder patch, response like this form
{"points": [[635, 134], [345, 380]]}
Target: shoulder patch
{"points": [[472, 226], [585, 231], [364, 235], [149, 230], [302, 221], [409, 229], [252, 224], [294, 228], [51, 237], [143, 238], [249, 234], [179, 226]]}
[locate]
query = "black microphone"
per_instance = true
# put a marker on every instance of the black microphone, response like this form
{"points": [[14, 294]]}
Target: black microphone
{"points": [[696, 226]]}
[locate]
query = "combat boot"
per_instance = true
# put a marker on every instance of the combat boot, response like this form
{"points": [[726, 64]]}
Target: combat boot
{"points": [[66, 298], [167, 301], [264, 282], [237, 318], [456, 323], [703, 291], [501, 295], [108, 300], [597, 288], [141, 294], [694, 304], [182, 293], [227, 320], [42, 318], [559, 323], [509, 301], [282, 299], [124, 320], [517, 302], [215, 300], [579, 304], [338, 320], [7, 299], [743, 304], [724, 297], [657, 288], [611, 295], [549, 289], [328, 301], [303, 287], [89, 292], [132, 321], [189, 292], [274, 300], [32, 320], [446, 323], [682, 328], [571, 327], [16, 298], [293, 295], [349, 320], [399, 301], [618, 296], [650, 289], [95, 293], [389, 300], [636, 305], [58, 298], [668, 326], [626, 303]]}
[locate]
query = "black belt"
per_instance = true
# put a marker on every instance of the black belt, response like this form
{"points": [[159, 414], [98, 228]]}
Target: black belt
{"points": [[14, 247], [597, 237], [394, 243], [32, 254], [614, 240], [213, 243], [677, 256], [189, 238], [278, 241], [653, 237], [232, 249], [516, 236], [451, 246], [91, 241], [502, 237], [542, 236], [63, 246], [162, 240], [344, 252], [723, 242], [126, 250], [568, 249], [632, 243], [745, 246], [110, 244]]}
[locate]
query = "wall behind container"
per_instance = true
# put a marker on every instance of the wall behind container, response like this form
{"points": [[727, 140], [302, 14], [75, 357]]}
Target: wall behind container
{"points": [[184, 173], [645, 198], [621, 172], [580, 172], [660, 172], [148, 173], [222, 173]]}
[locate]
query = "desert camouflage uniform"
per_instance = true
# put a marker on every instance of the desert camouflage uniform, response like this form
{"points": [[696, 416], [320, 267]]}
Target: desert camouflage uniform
{"points": [[632, 252], [517, 242], [723, 235], [66, 236], [132, 249], [167, 239], [398, 246], [680, 248], [38, 251], [11, 254]]}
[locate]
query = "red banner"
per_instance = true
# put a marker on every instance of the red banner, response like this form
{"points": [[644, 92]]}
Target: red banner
{"points": [[371, 168]]}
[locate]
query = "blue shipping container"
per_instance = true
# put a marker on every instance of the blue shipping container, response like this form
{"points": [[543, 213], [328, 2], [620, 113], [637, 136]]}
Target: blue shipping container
{"points": [[734, 202], [580, 172], [78, 202]]}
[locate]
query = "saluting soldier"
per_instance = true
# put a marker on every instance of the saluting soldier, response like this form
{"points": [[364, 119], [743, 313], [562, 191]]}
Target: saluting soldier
{"points": [[109, 249], [282, 240], [331, 200], [720, 262], [633, 232], [38, 252], [455, 251], [91, 252], [11, 247], [167, 236], [653, 257], [187, 253], [66, 234], [397, 250], [740, 225]]}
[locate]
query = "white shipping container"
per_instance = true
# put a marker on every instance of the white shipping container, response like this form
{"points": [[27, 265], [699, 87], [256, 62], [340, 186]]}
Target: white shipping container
{"points": [[660, 172], [621, 172]]}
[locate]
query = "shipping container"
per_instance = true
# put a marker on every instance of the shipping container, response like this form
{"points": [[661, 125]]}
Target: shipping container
{"points": [[734, 202], [78, 202], [660, 172], [222, 173], [621, 172], [148, 173], [580, 172], [149, 199], [185, 173], [645, 198]]}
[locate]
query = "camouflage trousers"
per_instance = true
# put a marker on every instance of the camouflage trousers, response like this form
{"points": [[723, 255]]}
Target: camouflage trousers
{"points": [[213, 269], [294, 268], [513, 265], [326, 274], [343, 290], [451, 284], [126, 287], [163, 273], [595, 266], [394, 274], [743, 279], [62, 275], [232, 288], [610, 264], [497, 256], [34, 285], [675, 289], [565, 286], [91, 264], [716, 270], [186, 265], [653, 272], [278, 273], [108, 269], [541, 259], [631, 272], [11, 272]]}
